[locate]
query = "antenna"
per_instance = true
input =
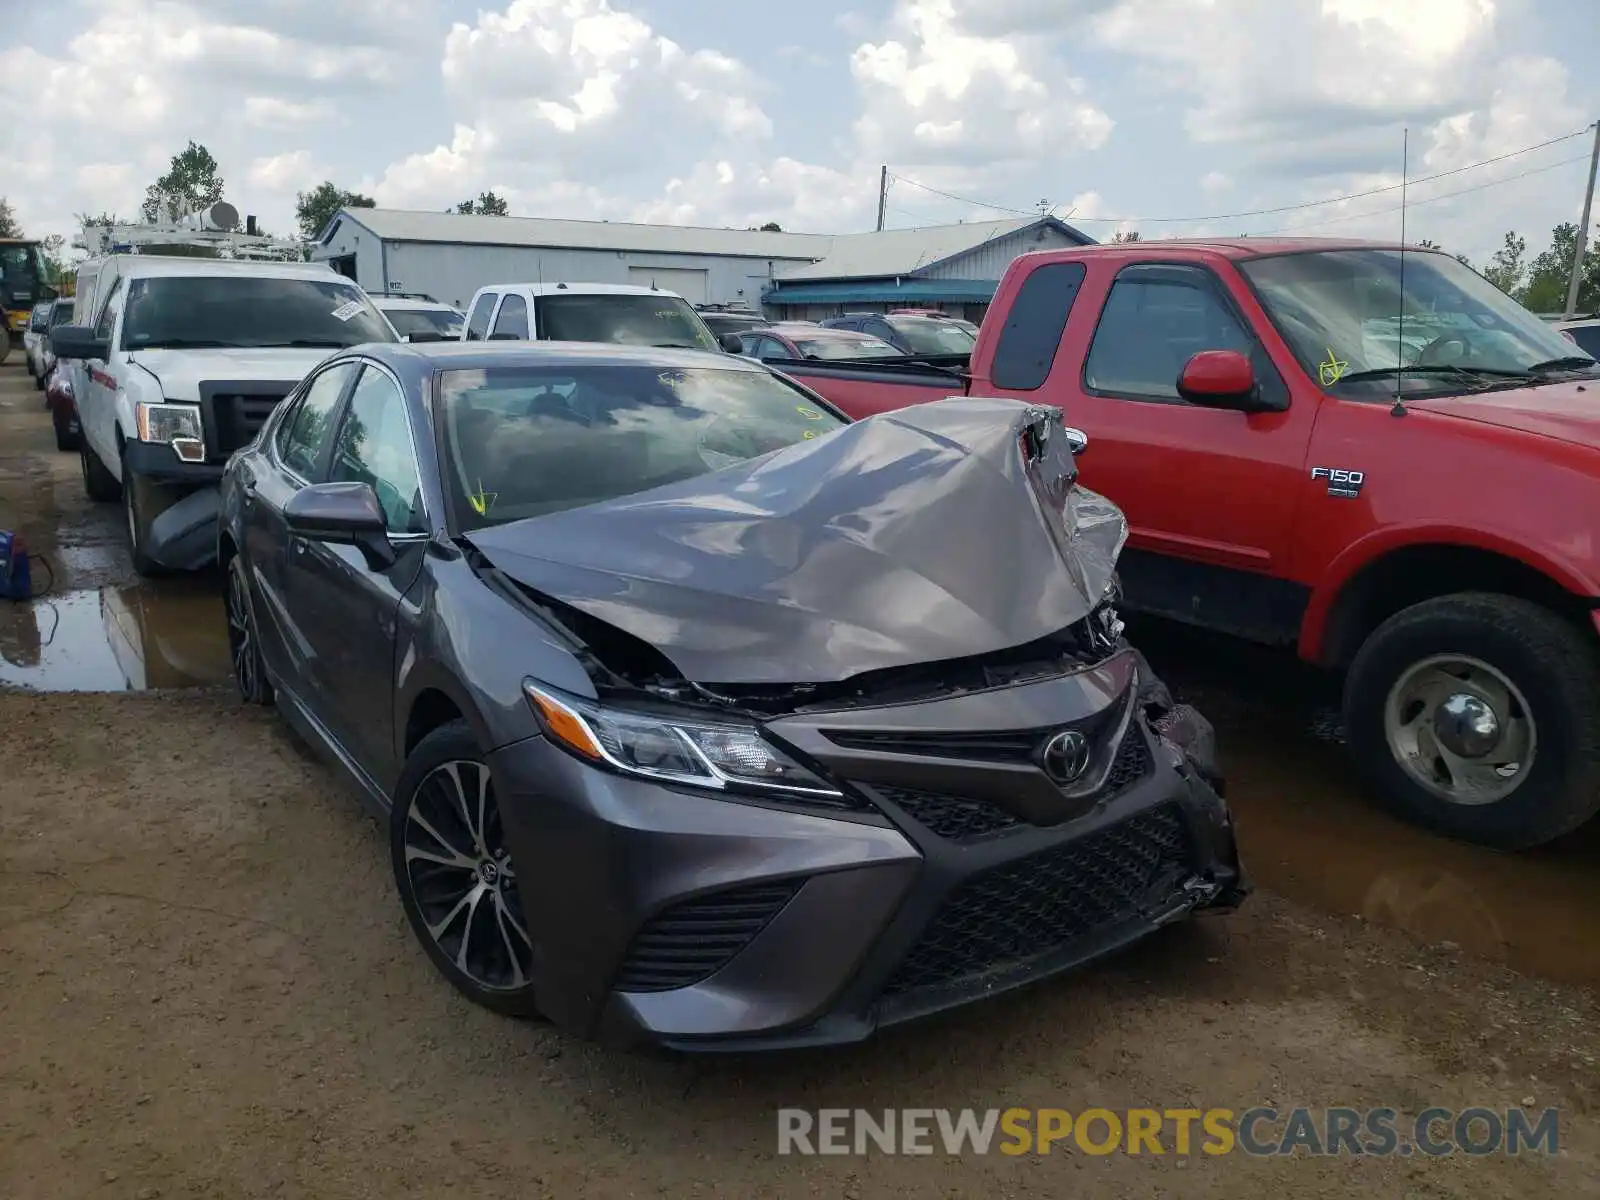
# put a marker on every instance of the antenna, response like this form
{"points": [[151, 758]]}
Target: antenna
{"points": [[1399, 409]]}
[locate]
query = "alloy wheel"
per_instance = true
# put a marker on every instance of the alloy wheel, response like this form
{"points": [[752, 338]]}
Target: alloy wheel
{"points": [[242, 636], [1461, 728], [462, 879]]}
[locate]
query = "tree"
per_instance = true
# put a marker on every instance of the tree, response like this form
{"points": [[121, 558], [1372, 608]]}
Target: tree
{"points": [[1506, 268], [55, 257], [8, 221], [1125, 235], [314, 209], [772, 227], [1550, 273], [190, 184], [486, 205]]}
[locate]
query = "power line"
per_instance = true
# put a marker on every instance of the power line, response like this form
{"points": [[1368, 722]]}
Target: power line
{"points": [[1378, 212], [1261, 212]]}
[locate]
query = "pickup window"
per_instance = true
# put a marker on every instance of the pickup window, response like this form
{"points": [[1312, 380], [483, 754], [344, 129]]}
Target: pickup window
{"points": [[478, 323], [511, 322], [1033, 328]]}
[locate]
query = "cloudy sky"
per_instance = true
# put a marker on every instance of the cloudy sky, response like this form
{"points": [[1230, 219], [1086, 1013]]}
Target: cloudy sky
{"points": [[1162, 113]]}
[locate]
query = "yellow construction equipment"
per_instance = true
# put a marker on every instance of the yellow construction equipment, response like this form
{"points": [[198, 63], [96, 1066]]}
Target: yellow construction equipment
{"points": [[24, 282]]}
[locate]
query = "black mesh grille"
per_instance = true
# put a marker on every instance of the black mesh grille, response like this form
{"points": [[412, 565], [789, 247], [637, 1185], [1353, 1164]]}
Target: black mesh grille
{"points": [[963, 820], [239, 418], [690, 942], [1040, 904]]}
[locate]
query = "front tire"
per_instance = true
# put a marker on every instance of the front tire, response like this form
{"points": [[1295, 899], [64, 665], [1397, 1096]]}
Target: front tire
{"points": [[1478, 716], [99, 484], [454, 872], [244, 639], [135, 496]]}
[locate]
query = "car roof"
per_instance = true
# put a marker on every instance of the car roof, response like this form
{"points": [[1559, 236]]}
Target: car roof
{"points": [[580, 289], [133, 265], [399, 302], [474, 356]]}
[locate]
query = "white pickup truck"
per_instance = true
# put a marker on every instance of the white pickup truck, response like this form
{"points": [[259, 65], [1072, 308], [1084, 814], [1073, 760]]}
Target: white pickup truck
{"points": [[177, 363], [589, 312]]}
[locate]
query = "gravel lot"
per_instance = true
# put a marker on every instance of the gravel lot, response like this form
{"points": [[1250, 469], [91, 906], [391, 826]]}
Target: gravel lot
{"points": [[209, 991]]}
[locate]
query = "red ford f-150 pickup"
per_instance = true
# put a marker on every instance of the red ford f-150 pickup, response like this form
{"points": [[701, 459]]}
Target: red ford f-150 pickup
{"points": [[1373, 456]]}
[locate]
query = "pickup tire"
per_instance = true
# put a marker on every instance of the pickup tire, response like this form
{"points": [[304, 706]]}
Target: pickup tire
{"points": [[1542, 674], [137, 515], [99, 484]]}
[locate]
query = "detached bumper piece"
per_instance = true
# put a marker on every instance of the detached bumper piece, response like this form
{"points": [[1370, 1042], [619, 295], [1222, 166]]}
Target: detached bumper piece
{"points": [[184, 536]]}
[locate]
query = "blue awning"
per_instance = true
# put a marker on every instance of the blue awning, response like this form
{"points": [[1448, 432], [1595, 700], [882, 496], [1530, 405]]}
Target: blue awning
{"points": [[880, 291]]}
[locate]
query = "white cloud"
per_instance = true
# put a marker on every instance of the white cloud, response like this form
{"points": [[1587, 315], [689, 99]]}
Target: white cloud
{"points": [[289, 172], [274, 112]]}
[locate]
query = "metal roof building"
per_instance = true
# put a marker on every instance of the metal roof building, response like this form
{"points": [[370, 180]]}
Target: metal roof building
{"points": [[954, 267], [450, 256]]}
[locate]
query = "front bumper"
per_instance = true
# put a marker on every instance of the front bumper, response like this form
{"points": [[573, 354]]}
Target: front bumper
{"points": [[697, 923]]}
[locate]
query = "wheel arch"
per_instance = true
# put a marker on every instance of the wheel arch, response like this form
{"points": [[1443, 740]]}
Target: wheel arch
{"points": [[1369, 584]]}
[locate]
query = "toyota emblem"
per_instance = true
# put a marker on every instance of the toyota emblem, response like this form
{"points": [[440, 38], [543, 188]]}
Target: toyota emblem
{"points": [[1066, 757]]}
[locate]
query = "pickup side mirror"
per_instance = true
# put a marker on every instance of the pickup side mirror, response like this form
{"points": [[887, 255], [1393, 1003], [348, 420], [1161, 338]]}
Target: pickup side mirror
{"points": [[78, 341], [1221, 379], [345, 514], [731, 342]]}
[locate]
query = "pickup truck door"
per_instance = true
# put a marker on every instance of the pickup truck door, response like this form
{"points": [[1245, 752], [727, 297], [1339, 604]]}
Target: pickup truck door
{"points": [[1210, 494]]}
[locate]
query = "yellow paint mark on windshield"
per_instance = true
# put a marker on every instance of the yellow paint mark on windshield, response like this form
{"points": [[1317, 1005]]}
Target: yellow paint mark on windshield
{"points": [[481, 500], [1331, 369], [808, 413], [810, 433]]}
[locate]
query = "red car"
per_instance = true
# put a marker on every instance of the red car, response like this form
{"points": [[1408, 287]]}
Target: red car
{"points": [[63, 410], [1369, 454]]}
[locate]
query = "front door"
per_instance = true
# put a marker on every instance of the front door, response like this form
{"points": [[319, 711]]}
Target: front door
{"points": [[97, 411], [347, 607]]}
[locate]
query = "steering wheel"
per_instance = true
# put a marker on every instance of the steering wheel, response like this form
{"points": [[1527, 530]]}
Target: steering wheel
{"points": [[1447, 351]]}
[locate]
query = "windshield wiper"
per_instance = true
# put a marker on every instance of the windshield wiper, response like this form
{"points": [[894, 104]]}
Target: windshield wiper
{"points": [[310, 344], [1453, 372], [1571, 362]]}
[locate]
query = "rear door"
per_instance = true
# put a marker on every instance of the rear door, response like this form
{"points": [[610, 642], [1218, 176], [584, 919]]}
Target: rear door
{"points": [[347, 607]]}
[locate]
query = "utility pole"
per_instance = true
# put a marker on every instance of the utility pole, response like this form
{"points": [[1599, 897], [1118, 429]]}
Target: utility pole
{"points": [[883, 193], [1582, 247]]}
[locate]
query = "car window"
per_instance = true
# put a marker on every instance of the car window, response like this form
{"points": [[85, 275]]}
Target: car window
{"points": [[624, 318], [848, 347], [1152, 325], [39, 318], [1588, 339], [524, 441], [61, 313], [749, 343], [1034, 325], [772, 348], [301, 449], [925, 335], [511, 322], [478, 322], [446, 322], [374, 447], [108, 314]]}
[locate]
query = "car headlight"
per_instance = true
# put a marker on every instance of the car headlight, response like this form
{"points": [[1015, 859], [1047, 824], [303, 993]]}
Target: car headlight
{"points": [[175, 425], [720, 757]]}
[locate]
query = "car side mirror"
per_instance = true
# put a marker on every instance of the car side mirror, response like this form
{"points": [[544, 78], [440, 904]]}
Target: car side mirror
{"points": [[78, 341], [1221, 379], [732, 343], [423, 335], [343, 514]]}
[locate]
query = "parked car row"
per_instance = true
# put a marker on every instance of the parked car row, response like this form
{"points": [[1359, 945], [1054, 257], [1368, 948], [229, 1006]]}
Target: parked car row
{"points": [[544, 601]]}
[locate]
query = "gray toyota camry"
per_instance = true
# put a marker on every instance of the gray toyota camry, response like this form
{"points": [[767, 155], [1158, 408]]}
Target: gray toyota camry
{"points": [[701, 716]]}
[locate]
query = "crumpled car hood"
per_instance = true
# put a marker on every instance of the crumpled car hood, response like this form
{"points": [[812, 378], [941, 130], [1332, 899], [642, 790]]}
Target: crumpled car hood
{"points": [[940, 531]]}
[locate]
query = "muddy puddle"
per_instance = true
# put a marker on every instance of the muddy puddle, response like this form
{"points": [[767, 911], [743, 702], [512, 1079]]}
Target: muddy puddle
{"points": [[1308, 832], [166, 635]]}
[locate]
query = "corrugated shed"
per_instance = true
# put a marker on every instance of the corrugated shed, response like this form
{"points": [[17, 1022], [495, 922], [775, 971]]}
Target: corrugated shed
{"points": [[990, 259], [399, 225], [895, 252]]}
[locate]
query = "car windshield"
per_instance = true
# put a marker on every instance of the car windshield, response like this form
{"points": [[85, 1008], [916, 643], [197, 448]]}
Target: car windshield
{"points": [[524, 441], [444, 321], [1348, 321], [40, 317], [929, 335], [21, 263], [624, 319], [843, 347], [233, 311]]}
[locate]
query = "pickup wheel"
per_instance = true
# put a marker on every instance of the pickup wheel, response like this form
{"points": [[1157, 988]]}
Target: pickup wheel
{"points": [[1478, 715], [99, 484], [137, 512]]}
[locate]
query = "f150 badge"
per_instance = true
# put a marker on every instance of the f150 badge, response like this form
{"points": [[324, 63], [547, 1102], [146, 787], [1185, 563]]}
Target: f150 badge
{"points": [[1341, 483]]}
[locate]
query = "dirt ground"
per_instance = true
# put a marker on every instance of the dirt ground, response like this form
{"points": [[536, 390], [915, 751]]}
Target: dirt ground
{"points": [[207, 989]]}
